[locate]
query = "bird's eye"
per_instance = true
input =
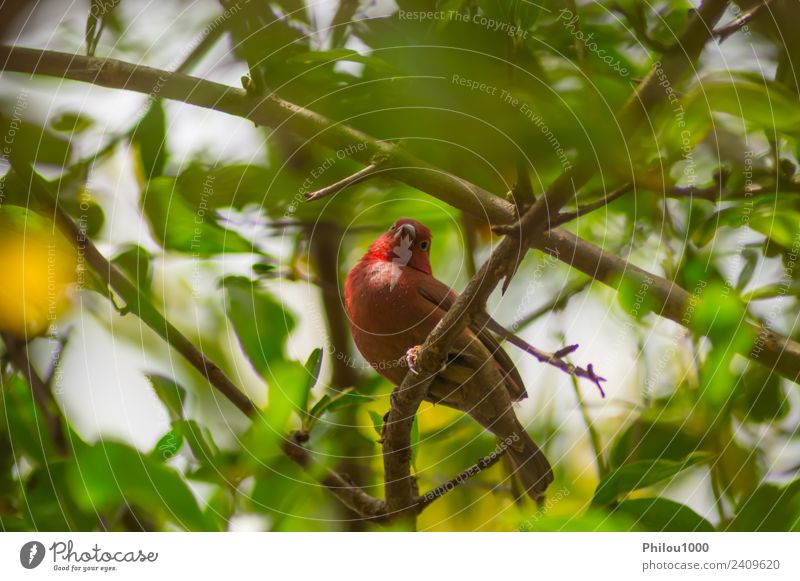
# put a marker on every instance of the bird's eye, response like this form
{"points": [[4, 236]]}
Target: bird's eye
{"points": [[424, 244]]}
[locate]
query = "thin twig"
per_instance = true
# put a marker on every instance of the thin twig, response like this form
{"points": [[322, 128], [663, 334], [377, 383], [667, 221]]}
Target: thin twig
{"points": [[354, 497], [351, 180], [594, 437], [486, 462], [554, 359], [558, 303], [638, 22], [741, 21], [613, 195]]}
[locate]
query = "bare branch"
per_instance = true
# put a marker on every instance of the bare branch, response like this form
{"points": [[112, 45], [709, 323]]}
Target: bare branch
{"points": [[337, 187], [486, 462], [741, 21], [554, 359], [615, 194], [352, 496]]}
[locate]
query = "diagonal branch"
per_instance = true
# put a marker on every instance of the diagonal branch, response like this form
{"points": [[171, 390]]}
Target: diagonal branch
{"points": [[128, 291], [345, 183], [41, 390], [486, 462], [741, 21], [354, 497]]}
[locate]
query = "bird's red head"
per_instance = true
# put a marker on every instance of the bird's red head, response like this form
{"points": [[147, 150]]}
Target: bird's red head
{"points": [[407, 242]]}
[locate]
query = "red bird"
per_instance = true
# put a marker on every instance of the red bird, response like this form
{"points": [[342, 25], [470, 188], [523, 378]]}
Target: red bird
{"points": [[394, 302]]}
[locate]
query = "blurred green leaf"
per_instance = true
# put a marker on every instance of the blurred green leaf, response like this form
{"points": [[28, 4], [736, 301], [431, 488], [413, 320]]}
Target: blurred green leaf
{"points": [[660, 514], [71, 122], [377, 422], [150, 137], [330, 403], [201, 443], [29, 141], [219, 186], [108, 474], [48, 505], [639, 475], [313, 367], [762, 103], [135, 262], [262, 325], [593, 520], [342, 54], [759, 396], [178, 226], [656, 439], [170, 393], [29, 436], [168, 445], [769, 508]]}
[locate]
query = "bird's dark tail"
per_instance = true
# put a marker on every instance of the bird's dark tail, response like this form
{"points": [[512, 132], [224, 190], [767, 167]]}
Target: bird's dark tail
{"points": [[531, 467]]}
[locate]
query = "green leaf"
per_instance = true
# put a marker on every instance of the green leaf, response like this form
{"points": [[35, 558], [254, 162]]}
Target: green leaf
{"points": [[49, 506], [769, 508], [759, 396], [593, 520], [167, 446], [377, 422], [278, 489], [286, 382], [660, 514], [234, 185], [772, 291], [150, 137], [31, 142], [641, 475], [70, 122], [313, 367], [750, 262], [24, 421], [200, 441], [262, 325], [108, 474], [762, 103], [170, 393], [343, 54], [328, 404], [654, 439], [99, 13], [178, 226], [135, 262]]}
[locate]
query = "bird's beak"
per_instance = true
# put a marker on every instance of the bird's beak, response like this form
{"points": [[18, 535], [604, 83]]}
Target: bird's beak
{"points": [[406, 230]]}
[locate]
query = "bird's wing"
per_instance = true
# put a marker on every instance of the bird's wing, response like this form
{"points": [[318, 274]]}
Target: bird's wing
{"points": [[443, 296]]}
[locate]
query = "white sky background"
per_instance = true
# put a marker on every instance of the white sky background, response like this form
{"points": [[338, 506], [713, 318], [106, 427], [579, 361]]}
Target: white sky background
{"points": [[104, 389]]}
